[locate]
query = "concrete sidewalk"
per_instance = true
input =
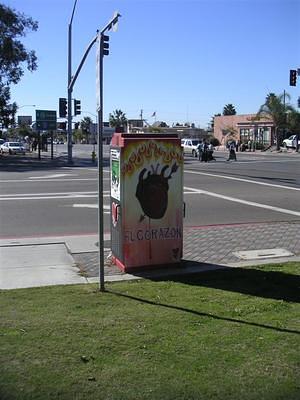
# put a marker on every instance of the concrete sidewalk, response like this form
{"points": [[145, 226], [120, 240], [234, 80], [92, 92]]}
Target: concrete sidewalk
{"points": [[32, 262]]}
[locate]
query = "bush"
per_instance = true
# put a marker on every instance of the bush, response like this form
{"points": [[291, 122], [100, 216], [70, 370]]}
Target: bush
{"points": [[215, 142], [259, 146]]}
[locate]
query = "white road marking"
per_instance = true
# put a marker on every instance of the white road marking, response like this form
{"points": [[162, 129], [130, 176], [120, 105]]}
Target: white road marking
{"points": [[85, 205], [246, 202], [50, 196], [95, 169], [264, 161], [51, 180], [49, 176], [243, 180], [105, 207]]}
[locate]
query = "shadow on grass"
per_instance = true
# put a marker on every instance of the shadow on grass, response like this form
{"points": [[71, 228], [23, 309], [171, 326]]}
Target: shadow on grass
{"points": [[203, 314], [275, 285], [266, 284]]}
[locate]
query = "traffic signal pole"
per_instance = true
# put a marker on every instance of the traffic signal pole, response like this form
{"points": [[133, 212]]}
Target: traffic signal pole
{"points": [[100, 170], [70, 88], [102, 50]]}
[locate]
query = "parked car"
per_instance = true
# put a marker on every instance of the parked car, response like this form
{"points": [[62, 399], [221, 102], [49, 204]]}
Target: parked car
{"points": [[2, 141], [12, 148], [25, 145], [291, 141], [190, 146]]}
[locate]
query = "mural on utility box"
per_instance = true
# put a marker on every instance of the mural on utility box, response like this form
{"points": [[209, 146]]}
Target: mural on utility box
{"points": [[152, 191], [152, 173]]}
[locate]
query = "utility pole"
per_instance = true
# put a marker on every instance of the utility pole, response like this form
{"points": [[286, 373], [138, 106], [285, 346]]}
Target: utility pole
{"points": [[141, 115], [285, 116], [70, 89], [102, 51]]}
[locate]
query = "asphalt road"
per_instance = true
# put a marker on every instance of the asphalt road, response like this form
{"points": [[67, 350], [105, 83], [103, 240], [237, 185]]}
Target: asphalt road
{"points": [[259, 187]]}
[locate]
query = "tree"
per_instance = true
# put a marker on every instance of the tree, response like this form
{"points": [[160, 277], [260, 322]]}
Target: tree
{"points": [[276, 109], [294, 122], [7, 111], [229, 110], [85, 127], [214, 141], [13, 56], [117, 119], [163, 125]]}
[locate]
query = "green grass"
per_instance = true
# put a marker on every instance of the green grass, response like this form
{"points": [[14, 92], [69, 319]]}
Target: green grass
{"points": [[227, 334]]}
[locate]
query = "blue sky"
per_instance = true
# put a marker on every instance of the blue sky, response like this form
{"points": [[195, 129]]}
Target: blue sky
{"points": [[182, 59]]}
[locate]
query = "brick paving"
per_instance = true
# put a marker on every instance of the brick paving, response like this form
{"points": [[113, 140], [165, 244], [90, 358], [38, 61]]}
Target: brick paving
{"points": [[215, 244]]}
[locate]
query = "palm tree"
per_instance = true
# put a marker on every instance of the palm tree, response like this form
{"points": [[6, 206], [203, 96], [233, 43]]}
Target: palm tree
{"points": [[275, 109], [85, 127], [117, 119], [229, 109]]}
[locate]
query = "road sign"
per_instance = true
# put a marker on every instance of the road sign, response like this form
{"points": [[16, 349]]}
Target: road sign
{"points": [[45, 120], [24, 120]]}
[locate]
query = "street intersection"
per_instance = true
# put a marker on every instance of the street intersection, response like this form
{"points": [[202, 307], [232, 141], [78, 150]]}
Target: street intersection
{"points": [[251, 205]]}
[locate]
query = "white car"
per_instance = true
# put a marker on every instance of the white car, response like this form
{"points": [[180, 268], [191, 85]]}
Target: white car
{"points": [[12, 148], [291, 141], [190, 146]]}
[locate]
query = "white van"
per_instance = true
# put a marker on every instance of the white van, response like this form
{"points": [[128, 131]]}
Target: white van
{"points": [[190, 146]]}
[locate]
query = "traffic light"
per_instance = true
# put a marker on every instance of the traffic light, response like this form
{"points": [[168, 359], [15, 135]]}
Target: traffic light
{"points": [[62, 107], [298, 102], [77, 107], [105, 45], [293, 77], [62, 125]]}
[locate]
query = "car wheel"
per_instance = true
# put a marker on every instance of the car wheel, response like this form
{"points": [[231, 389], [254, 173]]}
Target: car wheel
{"points": [[10, 152], [193, 153]]}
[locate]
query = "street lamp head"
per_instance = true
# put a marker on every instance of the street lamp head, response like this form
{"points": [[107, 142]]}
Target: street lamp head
{"points": [[27, 105], [113, 23]]}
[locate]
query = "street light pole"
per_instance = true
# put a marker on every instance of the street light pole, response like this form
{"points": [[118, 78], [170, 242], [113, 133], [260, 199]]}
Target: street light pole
{"points": [[100, 55], [71, 81], [70, 88]]}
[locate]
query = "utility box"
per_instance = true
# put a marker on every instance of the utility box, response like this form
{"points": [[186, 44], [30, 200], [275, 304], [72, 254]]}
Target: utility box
{"points": [[146, 200]]}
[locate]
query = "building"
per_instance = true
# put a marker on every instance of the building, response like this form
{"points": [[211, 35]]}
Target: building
{"points": [[107, 132], [187, 132], [243, 128], [183, 131]]}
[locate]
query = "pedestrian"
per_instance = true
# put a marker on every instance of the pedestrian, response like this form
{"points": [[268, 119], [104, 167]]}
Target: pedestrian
{"points": [[232, 155], [34, 145], [199, 150], [210, 152], [204, 156], [249, 145]]}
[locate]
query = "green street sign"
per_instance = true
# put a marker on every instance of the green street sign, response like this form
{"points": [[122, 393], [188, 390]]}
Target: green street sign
{"points": [[45, 120]]}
